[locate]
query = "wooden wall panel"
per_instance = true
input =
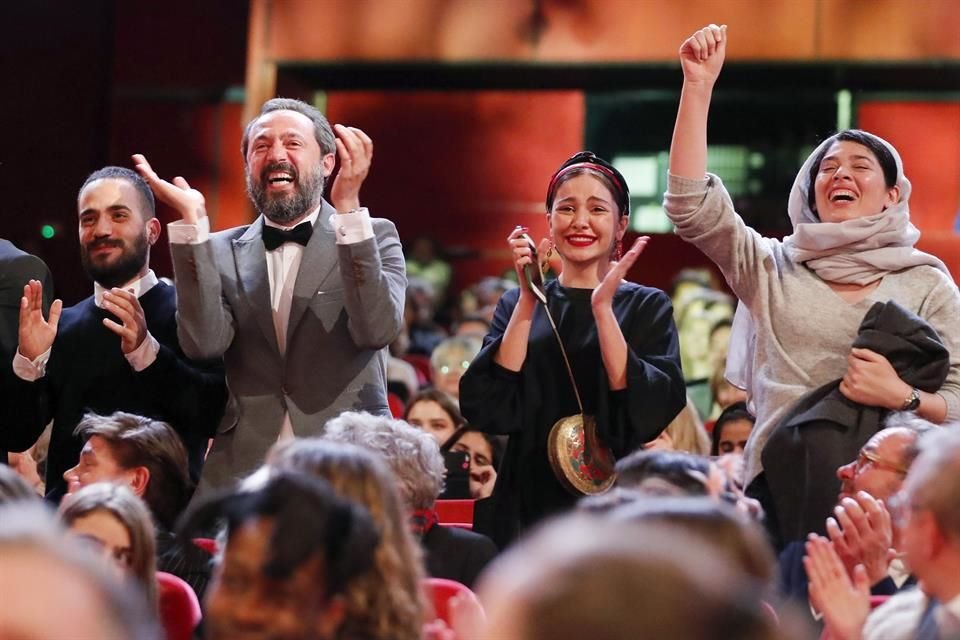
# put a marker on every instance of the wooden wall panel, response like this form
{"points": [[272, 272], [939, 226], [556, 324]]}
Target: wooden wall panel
{"points": [[463, 168]]}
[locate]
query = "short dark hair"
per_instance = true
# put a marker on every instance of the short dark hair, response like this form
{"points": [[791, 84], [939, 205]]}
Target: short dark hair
{"points": [[683, 470], [137, 441], [322, 130], [736, 411], [888, 164], [308, 520], [122, 173]]}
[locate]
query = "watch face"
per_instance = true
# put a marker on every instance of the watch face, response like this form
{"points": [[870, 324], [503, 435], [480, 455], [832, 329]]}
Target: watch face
{"points": [[913, 402]]}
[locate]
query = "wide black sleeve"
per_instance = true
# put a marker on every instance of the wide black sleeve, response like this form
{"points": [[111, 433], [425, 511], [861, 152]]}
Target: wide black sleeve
{"points": [[491, 397], [655, 390]]}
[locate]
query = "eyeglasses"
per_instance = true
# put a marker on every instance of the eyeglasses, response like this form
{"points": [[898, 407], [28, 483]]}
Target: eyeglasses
{"points": [[866, 457]]}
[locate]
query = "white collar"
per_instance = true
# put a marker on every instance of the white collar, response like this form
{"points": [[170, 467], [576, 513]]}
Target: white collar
{"points": [[137, 287]]}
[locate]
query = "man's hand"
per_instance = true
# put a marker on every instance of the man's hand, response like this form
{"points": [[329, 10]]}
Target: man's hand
{"points": [[188, 202], [862, 534], [355, 150], [36, 334], [125, 306], [844, 603]]}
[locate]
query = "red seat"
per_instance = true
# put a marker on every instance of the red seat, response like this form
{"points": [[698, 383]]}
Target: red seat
{"points": [[455, 513], [421, 363], [179, 606], [396, 405], [207, 544], [441, 591]]}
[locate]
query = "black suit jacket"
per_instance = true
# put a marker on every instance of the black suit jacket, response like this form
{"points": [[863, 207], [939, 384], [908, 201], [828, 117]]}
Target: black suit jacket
{"points": [[456, 554], [16, 269]]}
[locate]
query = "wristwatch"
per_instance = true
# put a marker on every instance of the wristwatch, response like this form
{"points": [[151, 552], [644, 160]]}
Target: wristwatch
{"points": [[912, 402]]}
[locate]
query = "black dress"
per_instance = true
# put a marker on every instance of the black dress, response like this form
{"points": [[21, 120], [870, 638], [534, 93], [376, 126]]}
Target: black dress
{"points": [[526, 404]]}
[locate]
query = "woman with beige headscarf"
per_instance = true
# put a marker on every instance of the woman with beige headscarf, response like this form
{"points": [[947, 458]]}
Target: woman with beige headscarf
{"points": [[803, 298]]}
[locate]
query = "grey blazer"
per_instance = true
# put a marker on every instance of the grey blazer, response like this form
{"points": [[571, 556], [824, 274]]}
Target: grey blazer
{"points": [[347, 306]]}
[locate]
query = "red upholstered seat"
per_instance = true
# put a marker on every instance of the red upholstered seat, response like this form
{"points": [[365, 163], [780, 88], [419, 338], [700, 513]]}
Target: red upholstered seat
{"points": [[455, 513], [179, 607]]}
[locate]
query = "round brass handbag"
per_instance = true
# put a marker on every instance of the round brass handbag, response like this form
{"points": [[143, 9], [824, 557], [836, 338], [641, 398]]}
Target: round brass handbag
{"points": [[579, 460]]}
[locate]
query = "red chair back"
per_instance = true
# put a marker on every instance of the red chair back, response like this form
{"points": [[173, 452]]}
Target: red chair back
{"points": [[179, 606], [440, 591], [455, 513]]}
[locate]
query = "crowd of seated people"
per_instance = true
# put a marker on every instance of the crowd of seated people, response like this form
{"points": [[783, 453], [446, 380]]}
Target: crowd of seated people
{"points": [[365, 506]]}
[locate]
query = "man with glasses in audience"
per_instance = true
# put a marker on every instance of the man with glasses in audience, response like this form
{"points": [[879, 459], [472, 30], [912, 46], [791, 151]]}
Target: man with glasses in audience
{"points": [[861, 530]]}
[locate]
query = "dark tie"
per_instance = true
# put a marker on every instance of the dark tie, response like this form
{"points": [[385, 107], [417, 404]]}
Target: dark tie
{"points": [[274, 237]]}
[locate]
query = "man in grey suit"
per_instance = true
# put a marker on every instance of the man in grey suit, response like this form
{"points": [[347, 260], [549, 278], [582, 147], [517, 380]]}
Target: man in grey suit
{"points": [[301, 302]]}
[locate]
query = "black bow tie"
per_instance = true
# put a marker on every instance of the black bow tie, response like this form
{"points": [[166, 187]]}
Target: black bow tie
{"points": [[274, 237]]}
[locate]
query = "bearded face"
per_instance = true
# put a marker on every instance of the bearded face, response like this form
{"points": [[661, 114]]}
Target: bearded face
{"points": [[282, 194]]}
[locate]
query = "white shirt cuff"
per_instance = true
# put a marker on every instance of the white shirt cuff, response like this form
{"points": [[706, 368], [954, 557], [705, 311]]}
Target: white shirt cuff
{"points": [[353, 227], [31, 370], [144, 355], [180, 232]]}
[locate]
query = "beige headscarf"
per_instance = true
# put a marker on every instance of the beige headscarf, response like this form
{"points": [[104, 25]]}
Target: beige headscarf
{"points": [[858, 251]]}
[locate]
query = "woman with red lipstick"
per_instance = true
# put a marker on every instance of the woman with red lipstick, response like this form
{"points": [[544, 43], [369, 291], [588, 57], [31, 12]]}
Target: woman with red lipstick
{"points": [[803, 299], [619, 338]]}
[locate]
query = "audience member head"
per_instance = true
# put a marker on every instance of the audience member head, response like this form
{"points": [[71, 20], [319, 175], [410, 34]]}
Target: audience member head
{"points": [[384, 603], [684, 433], [731, 430], [450, 359], [883, 462], [722, 528], [580, 577], [435, 412], [928, 513], [145, 454], [117, 524], [663, 473], [413, 455], [13, 487], [484, 451], [472, 324], [293, 549], [51, 589], [723, 393], [117, 226]]}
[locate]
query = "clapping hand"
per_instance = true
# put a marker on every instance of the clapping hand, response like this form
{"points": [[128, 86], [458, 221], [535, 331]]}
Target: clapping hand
{"points": [[187, 201], [355, 150], [36, 334], [132, 328]]}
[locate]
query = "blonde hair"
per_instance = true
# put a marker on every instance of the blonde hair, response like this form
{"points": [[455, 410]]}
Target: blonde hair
{"points": [[687, 431], [386, 603]]}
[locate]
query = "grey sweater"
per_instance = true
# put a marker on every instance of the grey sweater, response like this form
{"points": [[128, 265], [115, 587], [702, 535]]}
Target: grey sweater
{"points": [[803, 329]]}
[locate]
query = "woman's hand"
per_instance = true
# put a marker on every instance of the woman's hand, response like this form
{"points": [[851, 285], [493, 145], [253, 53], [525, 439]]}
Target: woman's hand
{"points": [[871, 380], [702, 55], [844, 604], [602, 296], [523, 256]]}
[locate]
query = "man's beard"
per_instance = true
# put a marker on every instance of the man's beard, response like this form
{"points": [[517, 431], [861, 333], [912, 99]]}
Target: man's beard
{"points": [[122, 270], [285, 208]]}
